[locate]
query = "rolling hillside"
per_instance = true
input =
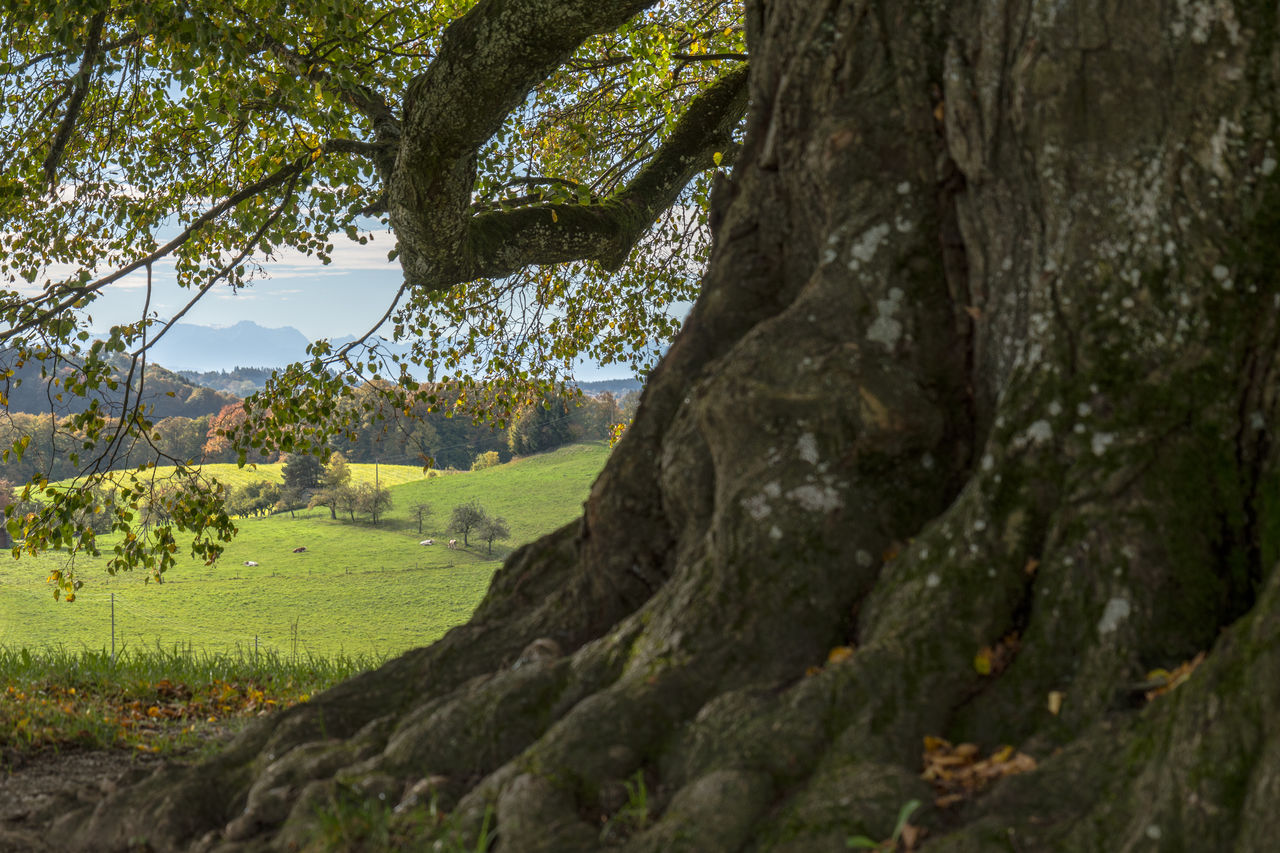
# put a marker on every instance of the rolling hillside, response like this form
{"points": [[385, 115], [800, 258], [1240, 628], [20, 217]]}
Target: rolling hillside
{"points": [[356, 588]]}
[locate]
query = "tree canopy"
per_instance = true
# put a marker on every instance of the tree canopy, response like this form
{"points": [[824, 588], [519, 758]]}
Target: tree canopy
{"points": [[542, 167]]}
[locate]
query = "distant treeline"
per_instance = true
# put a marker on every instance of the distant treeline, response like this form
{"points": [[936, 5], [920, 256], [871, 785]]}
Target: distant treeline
{"points": [[382, 434], [241, 382]]}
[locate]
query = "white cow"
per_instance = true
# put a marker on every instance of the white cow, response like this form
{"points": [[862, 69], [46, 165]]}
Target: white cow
{"points": [[427, 542], [250, 563], [453, 544]]}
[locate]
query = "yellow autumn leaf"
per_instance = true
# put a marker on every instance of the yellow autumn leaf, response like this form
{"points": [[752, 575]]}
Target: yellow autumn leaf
{"points": [[839, 653], [982, 661], [1055, 701], [935, 744]]}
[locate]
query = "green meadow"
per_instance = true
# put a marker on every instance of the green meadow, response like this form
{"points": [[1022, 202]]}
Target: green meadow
{"points": [[356, 590], [237, 477]]}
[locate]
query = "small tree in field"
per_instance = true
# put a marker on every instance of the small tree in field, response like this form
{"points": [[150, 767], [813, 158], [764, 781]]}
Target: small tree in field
{"points": [[335, 479], [346, 498], [372, 499], [421, 512], [466, 519], [491, 528], [291, 499]]}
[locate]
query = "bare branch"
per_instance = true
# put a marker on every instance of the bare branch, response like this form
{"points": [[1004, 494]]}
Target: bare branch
{"points": [[245, 250], [71, 295]]}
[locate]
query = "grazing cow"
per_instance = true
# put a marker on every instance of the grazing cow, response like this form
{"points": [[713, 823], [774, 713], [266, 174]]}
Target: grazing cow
{"points": [[453, 544], [427, 542], [300, 549], [250, 563]]}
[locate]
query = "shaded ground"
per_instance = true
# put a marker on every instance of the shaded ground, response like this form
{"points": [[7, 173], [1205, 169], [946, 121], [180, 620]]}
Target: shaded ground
{"points": [[35, 788]]}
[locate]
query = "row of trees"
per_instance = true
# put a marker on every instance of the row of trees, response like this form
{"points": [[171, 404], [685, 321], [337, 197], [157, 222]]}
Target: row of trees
{"points": [[381, 435], [471, 519], [308, 483]]}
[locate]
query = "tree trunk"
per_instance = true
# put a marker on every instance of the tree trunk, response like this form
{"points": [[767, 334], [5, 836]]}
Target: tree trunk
{"points": [[981, 384]]}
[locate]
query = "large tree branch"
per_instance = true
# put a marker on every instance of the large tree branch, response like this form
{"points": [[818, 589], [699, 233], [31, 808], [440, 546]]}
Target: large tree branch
{"points": [[489, 61], [500, 243], [79, 86]]}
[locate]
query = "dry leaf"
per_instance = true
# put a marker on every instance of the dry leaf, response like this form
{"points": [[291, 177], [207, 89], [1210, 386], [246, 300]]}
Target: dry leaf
{"points": [[1179, 674], [957, 772], [911, 836], [1055, 701], [839, 653]]}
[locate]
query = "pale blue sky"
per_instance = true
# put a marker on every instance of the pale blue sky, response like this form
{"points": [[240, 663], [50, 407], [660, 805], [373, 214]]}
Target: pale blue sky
{"points": [[345, 297], [342, 298]]}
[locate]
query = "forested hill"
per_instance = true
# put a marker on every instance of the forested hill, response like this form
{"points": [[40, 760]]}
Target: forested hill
{"points": [[240, 381], [243, 381], [169, 394]]}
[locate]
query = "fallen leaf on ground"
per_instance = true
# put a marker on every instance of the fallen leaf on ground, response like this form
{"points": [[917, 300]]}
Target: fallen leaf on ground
{"points": [[959, 772]]}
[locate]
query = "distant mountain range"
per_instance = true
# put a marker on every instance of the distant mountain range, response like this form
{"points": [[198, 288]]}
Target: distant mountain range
{"points": [[246, 344]]}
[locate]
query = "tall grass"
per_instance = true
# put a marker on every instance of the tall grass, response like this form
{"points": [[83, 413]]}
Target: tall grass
{"points": [[150, 699], [88, 668]]}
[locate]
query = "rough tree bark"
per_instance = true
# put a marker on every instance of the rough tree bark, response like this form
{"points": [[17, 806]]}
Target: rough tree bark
{"points": [[988, 344]]}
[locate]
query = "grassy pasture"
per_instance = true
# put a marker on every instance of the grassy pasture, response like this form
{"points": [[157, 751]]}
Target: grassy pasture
{"points": [[237, 478], [357, 590]]}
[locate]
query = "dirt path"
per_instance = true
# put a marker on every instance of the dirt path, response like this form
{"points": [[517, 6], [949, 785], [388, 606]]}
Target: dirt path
{"points": [[34, 790]]}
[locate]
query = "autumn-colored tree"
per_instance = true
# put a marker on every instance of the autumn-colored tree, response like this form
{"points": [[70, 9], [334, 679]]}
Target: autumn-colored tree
{"points": [[335, 484], [218, 446]]}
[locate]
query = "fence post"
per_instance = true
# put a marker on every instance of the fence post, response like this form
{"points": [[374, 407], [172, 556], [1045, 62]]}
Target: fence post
{"points": [[113, 629]]}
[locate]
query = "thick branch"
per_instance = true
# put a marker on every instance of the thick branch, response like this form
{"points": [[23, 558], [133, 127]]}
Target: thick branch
{"points": [[502, 242], [79, 91], [489, 61]]}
